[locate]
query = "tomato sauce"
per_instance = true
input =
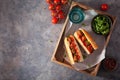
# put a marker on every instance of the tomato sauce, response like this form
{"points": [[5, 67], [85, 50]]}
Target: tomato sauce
{"points": [[74, 49], [109, 64]]}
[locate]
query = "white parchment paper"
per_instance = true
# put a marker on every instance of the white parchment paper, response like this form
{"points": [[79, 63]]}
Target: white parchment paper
{"points": [[98, 55]]}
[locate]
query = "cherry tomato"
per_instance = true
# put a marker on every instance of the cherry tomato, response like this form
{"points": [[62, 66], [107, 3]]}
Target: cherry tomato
{"points": [[49, 1], [79, 33], [58, 7], [54, 13], [72, 38], [72, 45], [78, 57], [83, 38], [76, 50], [54, 20], [51, 7], [104, 7], [61, 14], [64, 1], [90, 48], [57, 1]]}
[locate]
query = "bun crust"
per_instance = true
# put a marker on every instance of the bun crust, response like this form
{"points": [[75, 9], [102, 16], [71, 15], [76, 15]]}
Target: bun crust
{"points": [[69, 53]]}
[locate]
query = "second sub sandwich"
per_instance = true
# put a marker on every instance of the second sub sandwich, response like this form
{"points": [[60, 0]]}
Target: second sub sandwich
{"points": [[86, 41], [73, 51]]}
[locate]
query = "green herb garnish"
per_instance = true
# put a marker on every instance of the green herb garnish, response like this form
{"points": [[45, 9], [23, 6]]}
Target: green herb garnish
{"points": [[84, 56], [101, 24], [51, 41], [83, 24]]}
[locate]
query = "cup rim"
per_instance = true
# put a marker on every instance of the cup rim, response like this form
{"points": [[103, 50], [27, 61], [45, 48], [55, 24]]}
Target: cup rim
{"points": [[79, 12]]}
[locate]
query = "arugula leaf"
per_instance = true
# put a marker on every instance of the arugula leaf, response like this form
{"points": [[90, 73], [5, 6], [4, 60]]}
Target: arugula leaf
{"points": [[83, 24]]}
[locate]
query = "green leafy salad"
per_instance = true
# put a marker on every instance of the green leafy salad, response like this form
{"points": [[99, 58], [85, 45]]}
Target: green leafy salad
{"points": [[101, 24]]}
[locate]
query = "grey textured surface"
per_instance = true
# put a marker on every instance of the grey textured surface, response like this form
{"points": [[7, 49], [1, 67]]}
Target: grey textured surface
{"points": [[28, 39]]}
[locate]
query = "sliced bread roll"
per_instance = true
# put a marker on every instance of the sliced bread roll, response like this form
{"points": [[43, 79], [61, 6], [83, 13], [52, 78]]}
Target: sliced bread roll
{"points": [[73, 50], [85, 40]]}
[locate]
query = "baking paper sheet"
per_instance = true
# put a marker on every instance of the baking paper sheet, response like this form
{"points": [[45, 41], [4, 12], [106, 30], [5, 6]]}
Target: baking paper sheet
{"points": [[98, 55]]}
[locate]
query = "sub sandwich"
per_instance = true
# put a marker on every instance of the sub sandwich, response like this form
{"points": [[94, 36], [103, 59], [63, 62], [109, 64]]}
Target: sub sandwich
{"points": [[85, 40], [73, 51]]}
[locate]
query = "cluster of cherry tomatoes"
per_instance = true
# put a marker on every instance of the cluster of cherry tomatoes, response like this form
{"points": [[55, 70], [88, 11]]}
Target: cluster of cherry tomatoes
{"points": [[55, 6]]}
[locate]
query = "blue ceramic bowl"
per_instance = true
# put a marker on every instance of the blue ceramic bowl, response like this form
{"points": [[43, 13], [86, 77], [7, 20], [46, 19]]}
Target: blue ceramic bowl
{"points": [[76, 15]]}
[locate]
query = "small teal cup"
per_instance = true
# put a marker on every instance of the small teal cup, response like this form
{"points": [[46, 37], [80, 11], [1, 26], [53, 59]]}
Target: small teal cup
{"points": [[76, 15]]}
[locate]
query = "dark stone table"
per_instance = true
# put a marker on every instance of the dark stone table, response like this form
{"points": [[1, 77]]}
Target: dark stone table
{"points": [[28, 39]]}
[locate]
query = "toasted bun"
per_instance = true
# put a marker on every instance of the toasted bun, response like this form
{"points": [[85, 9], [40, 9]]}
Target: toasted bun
{"points": [[67, 44], [90, 39], [68, 51]]}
